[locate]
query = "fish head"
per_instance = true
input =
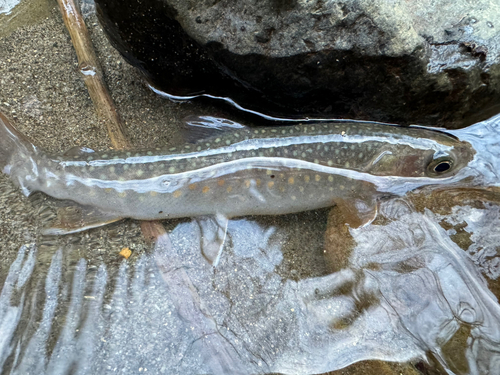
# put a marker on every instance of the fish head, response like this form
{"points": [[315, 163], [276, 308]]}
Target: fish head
{"points": [[448, 161], [432, 155]]}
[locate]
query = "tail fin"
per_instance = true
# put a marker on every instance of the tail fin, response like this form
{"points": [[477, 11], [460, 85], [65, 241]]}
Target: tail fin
{"points": [[12, 143]]}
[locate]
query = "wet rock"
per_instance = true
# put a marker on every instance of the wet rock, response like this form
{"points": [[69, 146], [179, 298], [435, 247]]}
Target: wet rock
{"points": [[428, 62]]}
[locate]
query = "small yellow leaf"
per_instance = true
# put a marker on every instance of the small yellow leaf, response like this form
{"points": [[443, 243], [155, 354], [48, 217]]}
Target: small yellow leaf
{"points": [[126, 252]]}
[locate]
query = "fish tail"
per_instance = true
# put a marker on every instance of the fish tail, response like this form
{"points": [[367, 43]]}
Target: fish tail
{"points": [[13, 145]]}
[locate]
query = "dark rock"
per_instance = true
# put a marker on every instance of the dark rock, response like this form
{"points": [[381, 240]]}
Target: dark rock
{"points": [[427, 62]]}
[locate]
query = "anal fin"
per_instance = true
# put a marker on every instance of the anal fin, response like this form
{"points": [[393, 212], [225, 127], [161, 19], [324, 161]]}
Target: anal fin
{"points": [[74, 218]]}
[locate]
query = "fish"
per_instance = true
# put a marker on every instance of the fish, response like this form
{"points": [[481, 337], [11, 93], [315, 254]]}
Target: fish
{"points": [[238, 171]]}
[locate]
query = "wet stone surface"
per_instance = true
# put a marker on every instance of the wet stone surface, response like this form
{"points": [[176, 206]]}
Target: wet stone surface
{"points": [[432, 62]]}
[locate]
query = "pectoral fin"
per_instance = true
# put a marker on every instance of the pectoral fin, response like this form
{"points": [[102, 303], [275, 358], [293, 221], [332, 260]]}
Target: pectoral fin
{"points": [[358, 212], [75, 218]]}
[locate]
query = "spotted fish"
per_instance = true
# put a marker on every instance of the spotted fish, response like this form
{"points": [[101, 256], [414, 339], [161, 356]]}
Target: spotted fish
{"points": [[238, 171]]}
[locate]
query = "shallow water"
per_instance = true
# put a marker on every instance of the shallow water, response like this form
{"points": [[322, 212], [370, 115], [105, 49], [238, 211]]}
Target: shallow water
{"points": [[407, 292], [417, 286]]}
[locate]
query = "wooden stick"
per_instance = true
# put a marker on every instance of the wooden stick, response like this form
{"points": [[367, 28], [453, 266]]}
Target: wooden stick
{"points": [[93, 78], [92, 73]]}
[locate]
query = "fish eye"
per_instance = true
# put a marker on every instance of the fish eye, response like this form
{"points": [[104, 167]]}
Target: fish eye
{"points": [[440, 166]]}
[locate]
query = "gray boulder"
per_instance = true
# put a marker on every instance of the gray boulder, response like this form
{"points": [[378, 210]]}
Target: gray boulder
{"points": [[433, 62]]}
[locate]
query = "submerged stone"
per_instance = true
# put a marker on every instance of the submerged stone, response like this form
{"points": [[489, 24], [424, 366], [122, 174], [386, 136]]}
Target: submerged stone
{"points": [[433, 63]]}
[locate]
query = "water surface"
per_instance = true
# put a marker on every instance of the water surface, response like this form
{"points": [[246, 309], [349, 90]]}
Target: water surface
{"points": [[296, 294]]}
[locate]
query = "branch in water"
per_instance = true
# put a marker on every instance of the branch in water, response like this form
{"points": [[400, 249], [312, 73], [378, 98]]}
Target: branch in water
{"points": [[93, 78], [92, 73]]}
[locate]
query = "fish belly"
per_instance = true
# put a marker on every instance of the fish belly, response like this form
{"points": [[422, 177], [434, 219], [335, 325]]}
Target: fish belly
{"points": [[245, 192]]}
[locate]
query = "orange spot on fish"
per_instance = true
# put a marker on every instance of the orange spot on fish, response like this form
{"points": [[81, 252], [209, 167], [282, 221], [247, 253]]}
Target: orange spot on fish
{"points": [[192, 186], [153, 193], [229, 189], [270, 184], [291, 180], [205, 189], [247, 183], [317, 177], [221, 182], [177, 193]]}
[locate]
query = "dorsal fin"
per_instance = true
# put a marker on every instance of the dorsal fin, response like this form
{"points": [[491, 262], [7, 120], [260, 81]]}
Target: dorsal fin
{"points": [[202, 127], [78, 151]]}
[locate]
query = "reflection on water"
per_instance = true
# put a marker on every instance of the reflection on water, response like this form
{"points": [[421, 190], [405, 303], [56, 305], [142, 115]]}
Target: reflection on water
{"points": [[407, 292], [6, 6], [15, 13]]}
